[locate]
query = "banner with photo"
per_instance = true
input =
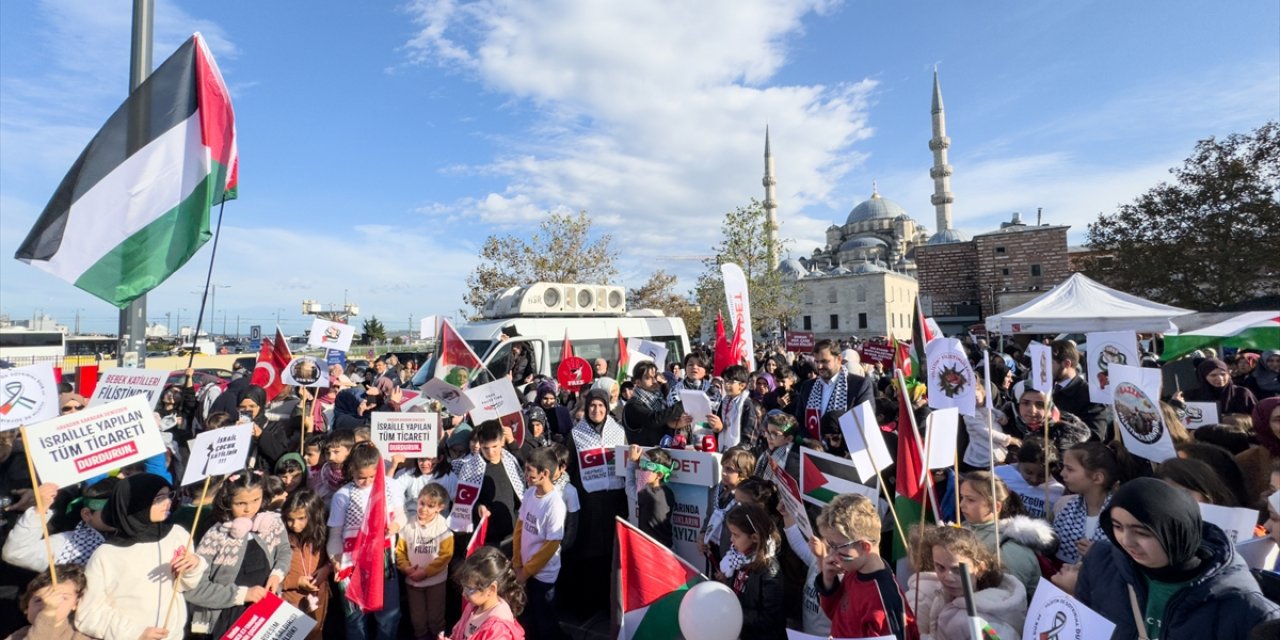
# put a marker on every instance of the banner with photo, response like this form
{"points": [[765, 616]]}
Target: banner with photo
{"points": [[951, 378], [1136, 402], [1105, 349], [27, 395]]}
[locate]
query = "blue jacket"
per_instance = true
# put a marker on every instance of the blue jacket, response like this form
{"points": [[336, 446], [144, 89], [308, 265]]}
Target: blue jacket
{"points": [[1223, 603]]}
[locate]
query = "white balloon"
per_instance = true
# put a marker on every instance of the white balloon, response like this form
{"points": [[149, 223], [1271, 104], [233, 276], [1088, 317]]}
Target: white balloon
{"points": [[710, 611]]}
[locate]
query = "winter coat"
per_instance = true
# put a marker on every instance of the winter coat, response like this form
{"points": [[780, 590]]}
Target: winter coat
{"points": [[130, 586], [1065, 432], [1021, 538], [1003, 606], [1073, 398], [1224, 602], [762, 604], [500, 625], [217, 592]]}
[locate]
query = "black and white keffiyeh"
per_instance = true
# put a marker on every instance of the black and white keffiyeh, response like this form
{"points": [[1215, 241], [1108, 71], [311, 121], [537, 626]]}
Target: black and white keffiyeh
{"points": [[79, 544], [1069, 526], [703, 385], [839, 402], [471, 471], [610, 436], [652, 401]]}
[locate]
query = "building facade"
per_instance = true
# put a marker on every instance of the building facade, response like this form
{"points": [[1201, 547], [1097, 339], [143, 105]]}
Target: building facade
{"points": [[866, 301]]}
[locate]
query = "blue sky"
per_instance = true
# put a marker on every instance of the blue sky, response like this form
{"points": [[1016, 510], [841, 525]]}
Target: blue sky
{"points": [[382, 142]]}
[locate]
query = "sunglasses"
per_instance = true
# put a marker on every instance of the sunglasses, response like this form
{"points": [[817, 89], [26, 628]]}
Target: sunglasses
{"points": [[72, 407]]}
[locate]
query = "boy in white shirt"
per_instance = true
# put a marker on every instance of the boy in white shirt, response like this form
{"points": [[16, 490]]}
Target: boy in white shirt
{"points": [[536, 544]]}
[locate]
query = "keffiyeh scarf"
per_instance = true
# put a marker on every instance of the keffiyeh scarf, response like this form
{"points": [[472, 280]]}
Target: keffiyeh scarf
{"points": [[80, 543]]}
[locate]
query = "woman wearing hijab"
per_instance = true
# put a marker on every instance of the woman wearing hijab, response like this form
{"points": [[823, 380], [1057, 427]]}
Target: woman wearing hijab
{"points": [[131, 577], [1264, 381], [1256, 461], [272, 438], [559, 422], [1216, 386], [1181, 573]]}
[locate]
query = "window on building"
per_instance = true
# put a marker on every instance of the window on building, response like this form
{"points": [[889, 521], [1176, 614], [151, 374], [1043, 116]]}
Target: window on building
{"points": [[1035, 271], [999, 251], [1004, 271], [862, 321], [831, 295], [862, 293], [835, 322], [808, 323], [808, 297]]}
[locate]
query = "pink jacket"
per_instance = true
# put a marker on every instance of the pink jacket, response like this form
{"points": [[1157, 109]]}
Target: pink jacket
{"points": [[500, 625]]}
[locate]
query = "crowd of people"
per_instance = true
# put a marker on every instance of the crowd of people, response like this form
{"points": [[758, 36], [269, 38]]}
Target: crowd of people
{"points": [[1045, 489]]}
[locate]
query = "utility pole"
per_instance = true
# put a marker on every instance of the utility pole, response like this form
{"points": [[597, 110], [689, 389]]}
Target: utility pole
{"points": [[237, 327], [133, 318]]}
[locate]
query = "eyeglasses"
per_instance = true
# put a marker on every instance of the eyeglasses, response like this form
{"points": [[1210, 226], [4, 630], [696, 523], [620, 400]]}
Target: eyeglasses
{"points": [[835, 548], [467, 592], [161, 497], [72, 407]]}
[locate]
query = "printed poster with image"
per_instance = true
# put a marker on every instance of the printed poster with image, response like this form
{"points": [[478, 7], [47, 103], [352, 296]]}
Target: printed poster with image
{"points": [[80, 445], [331, 335], [218, 452], [1054, 614], [951, 379], [306, 371], [271, 618], [1105, 349], [453, 398], [27, 395], [499, 401], [1041, 367], [1136, 402], [1200, 414]]}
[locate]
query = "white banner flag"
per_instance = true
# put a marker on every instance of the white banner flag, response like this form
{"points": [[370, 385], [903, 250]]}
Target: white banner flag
{"points": [[865, 441], [331, 335], [951, 379], [739, 299]]}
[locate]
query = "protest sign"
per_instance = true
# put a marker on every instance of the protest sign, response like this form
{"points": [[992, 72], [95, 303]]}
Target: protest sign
{"points": [[655, 351], [943, 428], [453, 398], [877, 351], [1105, 349], [1259, 553], [799, 341], [1041, 368], [696, 404], [306, 371], [574, 373], [498, 400], [28, 395], [331, 335], [865, 441], [824, 476], [121, 382], [1237, 523], [792, 634], [413, 435], [429, 328], [789, 495], [1054, 614], [694, 476], [1136, 402], [218, 452], [271, 619], [951, 379], [80, 445], [333, 356], [1200, 414]]}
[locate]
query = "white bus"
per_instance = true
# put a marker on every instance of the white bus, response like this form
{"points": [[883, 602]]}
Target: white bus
{"points": [[21, 346]]}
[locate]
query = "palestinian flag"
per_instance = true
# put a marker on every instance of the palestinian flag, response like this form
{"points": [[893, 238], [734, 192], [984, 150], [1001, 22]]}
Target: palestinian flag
{"points": [[135, 205], [909, 501], [651, 583], [824, 476], [902, 358], [457, 361], [921, 334], [624, 360]]}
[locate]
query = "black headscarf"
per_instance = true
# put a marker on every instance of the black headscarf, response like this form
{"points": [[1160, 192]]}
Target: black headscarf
{"points": [[259, 397], [128, 510], [1174, 519], [593, 395]]}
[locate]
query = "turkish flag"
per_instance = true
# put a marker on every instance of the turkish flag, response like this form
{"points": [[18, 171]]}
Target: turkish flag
{"points": [[272, 359], [813, 422], [367, 555], [477, 538], [467, 494]]}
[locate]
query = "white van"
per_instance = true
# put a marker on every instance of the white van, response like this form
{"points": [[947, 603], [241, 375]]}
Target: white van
{"points": [[542, 314]]}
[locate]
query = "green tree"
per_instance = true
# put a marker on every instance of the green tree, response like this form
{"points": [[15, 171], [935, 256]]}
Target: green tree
{"points": [[659, 293], [373, 332], [562, 250], [774, 300], [1205, 240]]}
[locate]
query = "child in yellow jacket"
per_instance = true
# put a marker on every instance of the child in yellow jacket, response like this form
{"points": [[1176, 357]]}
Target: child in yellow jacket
{"points": [[422, 555]]}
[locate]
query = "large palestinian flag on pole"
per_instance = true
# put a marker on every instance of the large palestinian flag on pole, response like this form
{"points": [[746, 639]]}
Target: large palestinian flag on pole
{"points": [[651, 583], [135, 205]]}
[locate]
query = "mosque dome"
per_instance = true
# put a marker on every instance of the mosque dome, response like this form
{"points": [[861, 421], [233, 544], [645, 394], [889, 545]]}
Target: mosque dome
{"points": [[864, 242], [947, 236], [868, 267], [876, 208], [840, 270], [793, 268]]}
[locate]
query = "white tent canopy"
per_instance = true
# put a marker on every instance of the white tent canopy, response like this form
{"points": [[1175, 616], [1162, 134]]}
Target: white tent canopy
{"points": [[1081, 305]]}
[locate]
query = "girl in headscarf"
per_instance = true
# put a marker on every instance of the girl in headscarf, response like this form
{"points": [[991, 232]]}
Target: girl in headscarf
{"points": [[272, 438], [132, 577], [1216, 386], [1183, 573], [1264, 382], [559, 422]]}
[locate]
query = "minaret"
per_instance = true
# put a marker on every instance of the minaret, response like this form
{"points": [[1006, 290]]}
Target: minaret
{"points": [[941, 171], [770, 203]]}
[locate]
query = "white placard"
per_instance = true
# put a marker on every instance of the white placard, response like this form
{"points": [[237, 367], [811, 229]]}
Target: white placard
{"points": [[271, 618], [499, 401], [944, 429], [121, 382], [1105, 349], [1237, 523], [27, 395], [1054, 614], [655, 351], [453, 398], [635, 357], [80, 445], [306, 371], [413, 435], [696, 404], [331, 335], [865, 441], [1136, 403], [218, 452], [687, 467], [429, 328], [1201, 414], [1259, 553], [1041, 368], [951, 379]]}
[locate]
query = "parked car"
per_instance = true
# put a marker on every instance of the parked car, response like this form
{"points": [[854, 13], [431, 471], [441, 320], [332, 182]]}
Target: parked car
{"points": [[199, 378]]}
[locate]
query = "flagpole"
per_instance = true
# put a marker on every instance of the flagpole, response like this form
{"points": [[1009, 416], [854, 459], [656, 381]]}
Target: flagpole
{"points": [[133, 318], [986, 380], [204, 297], [915, 428], [35, 488], [191, 538], [884, 489]]}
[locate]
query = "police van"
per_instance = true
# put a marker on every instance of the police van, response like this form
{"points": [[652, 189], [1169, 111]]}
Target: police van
{"points": [[540, 315]]}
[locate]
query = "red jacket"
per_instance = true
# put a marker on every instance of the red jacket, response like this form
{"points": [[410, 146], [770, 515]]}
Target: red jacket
{"points": [[867, 606]]}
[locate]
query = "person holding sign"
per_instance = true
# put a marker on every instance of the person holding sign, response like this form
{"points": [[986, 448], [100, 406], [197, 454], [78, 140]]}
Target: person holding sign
{"points": [[23, 547], [272, 438], [1162, 564], [133, 575]]}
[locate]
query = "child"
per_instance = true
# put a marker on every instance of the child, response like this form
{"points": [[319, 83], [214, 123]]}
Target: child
{"points": [[810, 552], [51, 609], [24, 547], [536, 545], [273, 493], [985, 443], [422, 555], [736, 421], [998, 597], [347, 517], [570, 494], [735, 466], [858, 589], [758, 582], [654, 498], [247, 551], [1091, 470], [313, 452], [307, 584], [292, 471], [1021, 538], [1026, 477], [492, 598], [420, 472], [330, 477]]}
